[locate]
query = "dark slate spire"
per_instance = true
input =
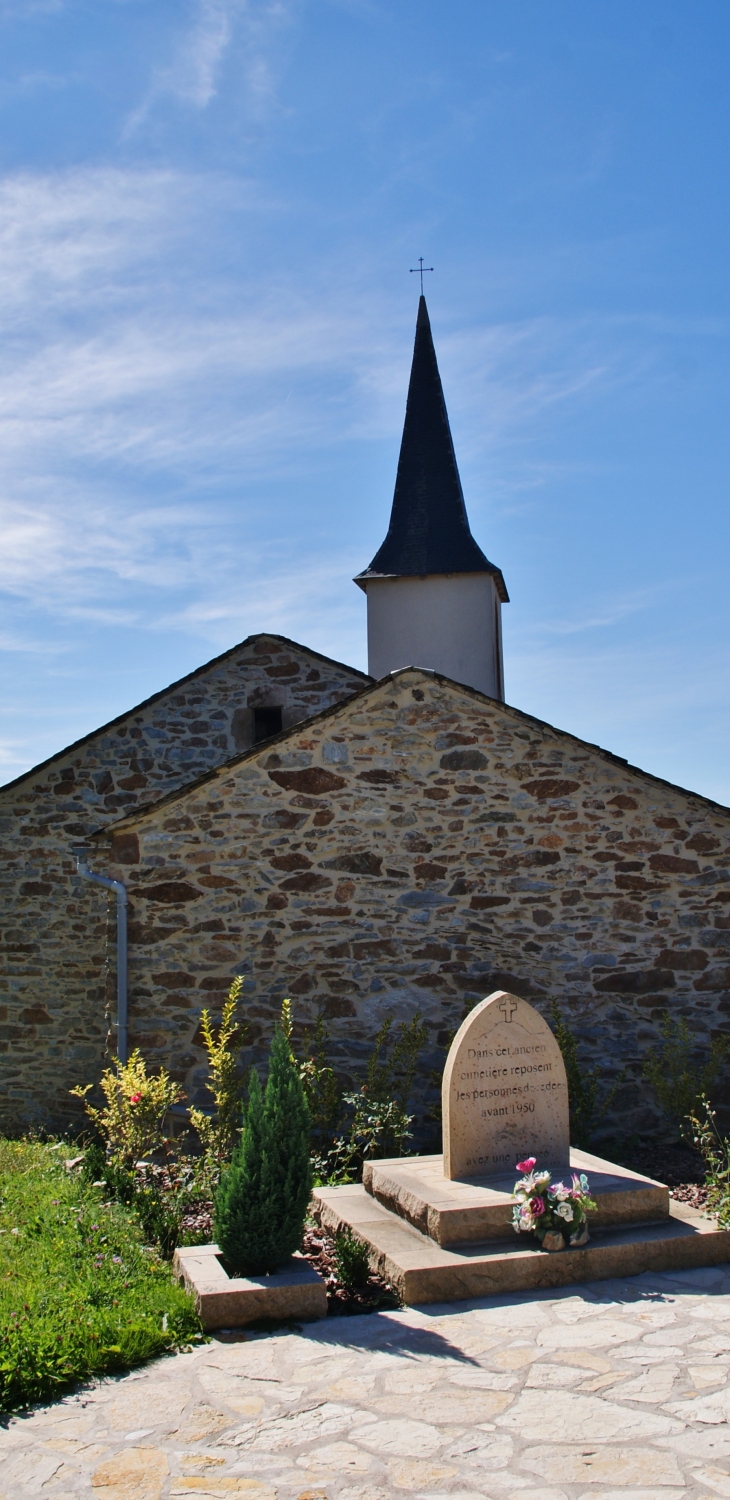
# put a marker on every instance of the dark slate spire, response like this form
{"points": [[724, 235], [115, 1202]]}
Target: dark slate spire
{"points": [[429, 529]]}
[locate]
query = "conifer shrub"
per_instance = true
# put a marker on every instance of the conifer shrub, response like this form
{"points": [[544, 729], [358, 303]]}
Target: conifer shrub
{"points": [[262, 1199]]}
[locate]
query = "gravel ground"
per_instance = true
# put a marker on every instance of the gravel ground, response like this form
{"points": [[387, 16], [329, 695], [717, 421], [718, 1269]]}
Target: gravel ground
{"points": [[319, 1249], [678, 1165]]}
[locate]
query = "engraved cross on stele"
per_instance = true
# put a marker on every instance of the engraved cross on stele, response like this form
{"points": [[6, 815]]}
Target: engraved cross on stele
{"points": [[508, 1007]]}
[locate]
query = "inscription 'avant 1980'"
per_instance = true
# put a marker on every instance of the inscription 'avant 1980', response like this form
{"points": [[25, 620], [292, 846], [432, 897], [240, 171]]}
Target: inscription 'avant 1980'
{"points": [[505, 1091]]}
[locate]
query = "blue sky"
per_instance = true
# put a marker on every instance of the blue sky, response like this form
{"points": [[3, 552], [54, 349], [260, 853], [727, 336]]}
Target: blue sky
{"points": [[208, 211]]}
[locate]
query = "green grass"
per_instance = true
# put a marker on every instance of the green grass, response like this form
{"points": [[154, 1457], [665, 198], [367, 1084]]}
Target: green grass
{"points": [[79, 1293]]}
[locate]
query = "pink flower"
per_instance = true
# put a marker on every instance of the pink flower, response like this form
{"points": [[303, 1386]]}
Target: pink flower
{"points": [[537, 1206], [135, 1098], [526, 1166]]}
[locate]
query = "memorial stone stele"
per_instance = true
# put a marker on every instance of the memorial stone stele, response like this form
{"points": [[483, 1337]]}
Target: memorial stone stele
{"points": [[505, 1094]]}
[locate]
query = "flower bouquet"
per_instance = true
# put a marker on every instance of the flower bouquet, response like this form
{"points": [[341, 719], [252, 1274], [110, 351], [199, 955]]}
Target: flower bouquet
{"points": [[555, 1213]]}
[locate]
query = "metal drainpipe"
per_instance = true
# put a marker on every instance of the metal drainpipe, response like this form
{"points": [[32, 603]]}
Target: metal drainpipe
{"points": [[120, 890]]}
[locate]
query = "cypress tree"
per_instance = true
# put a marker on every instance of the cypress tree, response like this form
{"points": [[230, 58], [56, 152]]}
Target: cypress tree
{"points": [[263, 1197]]}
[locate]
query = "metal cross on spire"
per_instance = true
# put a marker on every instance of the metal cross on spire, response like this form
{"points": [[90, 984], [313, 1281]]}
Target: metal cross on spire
{"points": [[419, 270]]}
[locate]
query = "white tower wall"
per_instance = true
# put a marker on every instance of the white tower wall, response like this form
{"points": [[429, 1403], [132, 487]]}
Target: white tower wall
{"points": [[450, 623]]}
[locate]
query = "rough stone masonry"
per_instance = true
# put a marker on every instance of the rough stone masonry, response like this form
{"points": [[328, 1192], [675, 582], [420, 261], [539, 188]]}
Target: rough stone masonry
{"points": [[53, 1027], [412, 849]]}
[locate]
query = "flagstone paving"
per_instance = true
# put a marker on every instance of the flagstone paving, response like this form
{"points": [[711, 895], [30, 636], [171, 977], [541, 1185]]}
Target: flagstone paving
{"points": [[614, 1389]]}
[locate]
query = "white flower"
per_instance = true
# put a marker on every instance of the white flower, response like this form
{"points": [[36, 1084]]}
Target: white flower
{"points": [[564, 1211], [561, 1192]]}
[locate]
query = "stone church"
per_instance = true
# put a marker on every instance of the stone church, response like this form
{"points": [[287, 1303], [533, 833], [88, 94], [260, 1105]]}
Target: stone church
{"points": [[390, 844]]}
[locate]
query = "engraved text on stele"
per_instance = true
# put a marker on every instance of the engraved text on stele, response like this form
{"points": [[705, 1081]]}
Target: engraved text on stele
{"points": [[505, 1095]]}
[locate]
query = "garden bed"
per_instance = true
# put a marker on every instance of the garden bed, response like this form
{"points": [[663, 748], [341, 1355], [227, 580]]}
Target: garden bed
{"points": [[681, 1168], [319, 1249], [376, 1294], [80, 1295]]}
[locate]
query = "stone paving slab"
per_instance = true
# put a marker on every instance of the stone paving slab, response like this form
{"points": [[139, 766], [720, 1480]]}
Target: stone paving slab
{"points": [[618, 1390]]}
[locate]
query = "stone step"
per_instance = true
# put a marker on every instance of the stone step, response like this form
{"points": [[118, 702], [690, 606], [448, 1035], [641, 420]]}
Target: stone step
{"points": [[423, 1271], [458, 1211]]}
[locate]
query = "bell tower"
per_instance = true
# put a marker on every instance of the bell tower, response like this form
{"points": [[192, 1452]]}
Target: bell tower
{"points": [[433, 598]]}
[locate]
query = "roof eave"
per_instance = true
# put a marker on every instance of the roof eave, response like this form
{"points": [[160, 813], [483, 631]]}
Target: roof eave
{"points": [[368, 574]]}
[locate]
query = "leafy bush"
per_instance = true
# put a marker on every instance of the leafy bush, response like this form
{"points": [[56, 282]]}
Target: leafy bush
{"points": [[584, 1085], [158, 1195], [380, 1124], [97, 1168], [321, 1089], [679, 1082], [160, 1211], [262, 1200], [218, 1136], [715, 1152], [79, 1294], [389, 1082], [131, 1123], [351, 1261]]}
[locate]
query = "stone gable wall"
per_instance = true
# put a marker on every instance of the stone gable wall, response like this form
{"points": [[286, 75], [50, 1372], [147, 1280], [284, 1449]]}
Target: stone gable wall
{"points": [[53, 1027], [412, 851]]}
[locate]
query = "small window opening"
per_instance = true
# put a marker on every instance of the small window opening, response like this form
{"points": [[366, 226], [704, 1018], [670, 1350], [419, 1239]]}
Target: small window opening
{"points": [[266, 721]]}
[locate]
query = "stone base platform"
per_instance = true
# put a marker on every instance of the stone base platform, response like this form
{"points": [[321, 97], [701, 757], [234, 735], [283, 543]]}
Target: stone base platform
{"points": [[223, 1301], [457, 1211], [423, 1271]]}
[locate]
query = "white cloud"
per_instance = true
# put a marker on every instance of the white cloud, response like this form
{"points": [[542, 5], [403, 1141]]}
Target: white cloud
{"points": [[191, 77], [67, 238], [13, 757], [22, 9], [14, 641], [138, 387]]}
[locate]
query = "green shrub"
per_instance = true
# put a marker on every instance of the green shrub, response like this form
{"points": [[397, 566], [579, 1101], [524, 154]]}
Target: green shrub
{"points": [[218, 1136], [160, 1210], [380, 1124], [584, 1085], [79, 1294], [715, 1151], [680, 1082], [351, 1261], [119, 1182], [321, 1089], [262, 1200], [131, 1123]]}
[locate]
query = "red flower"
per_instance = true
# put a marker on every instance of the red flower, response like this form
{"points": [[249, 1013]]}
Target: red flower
{"points": [[135, 1098], [527, 1165]]}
